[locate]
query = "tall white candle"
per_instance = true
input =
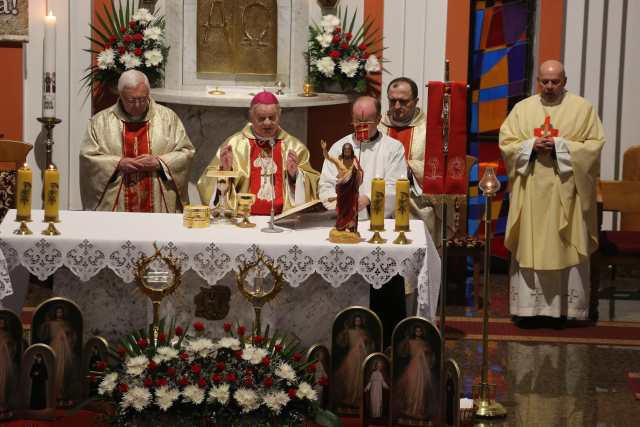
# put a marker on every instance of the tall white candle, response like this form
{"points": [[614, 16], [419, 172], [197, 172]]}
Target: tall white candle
{"points": [[49, 76]]}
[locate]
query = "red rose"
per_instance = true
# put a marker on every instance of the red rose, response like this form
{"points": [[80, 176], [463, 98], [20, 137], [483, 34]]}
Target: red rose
{"points": [[336, 39], [292, 393], [362, 46], [195, 368], [348, 36], [248, 381], [148, 382], [257, 339], [335, 54], [366, 56], [267, 382], [344, 46], [122, 50], [162, 337], [171, 371], [107, 46], [123, 388], [179, 331], [127, 38], [198, 326], [138, 51], [297, 356], [238, 354], [160, 381], [123, 29], [112, 39], [184, 356], [138, 37], [220, 366], [142, 343], [183, 381], [241, 330], [100, 365], [338, 30], [202, 383], [265, 361], [323, 381], [152, 366], [227, 327], [132, 24], [216, 378], [311, 368], [278, 348], [121, 351], [231, 377]]}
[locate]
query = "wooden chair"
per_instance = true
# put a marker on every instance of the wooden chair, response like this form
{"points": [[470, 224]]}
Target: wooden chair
{"points": [[13, 154], [617, 247]]}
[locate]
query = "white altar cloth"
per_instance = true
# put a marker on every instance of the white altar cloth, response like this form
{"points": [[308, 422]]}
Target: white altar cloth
{"points": [[92, 241]]}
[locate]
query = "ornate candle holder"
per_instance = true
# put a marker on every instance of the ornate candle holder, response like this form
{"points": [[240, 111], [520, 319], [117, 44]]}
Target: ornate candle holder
{"points": [[377, 238], [23, 229], [245, 201], [49, 123], [223, 211]]}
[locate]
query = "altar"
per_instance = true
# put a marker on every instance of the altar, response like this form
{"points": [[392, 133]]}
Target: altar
{"points": [[93, 259]]}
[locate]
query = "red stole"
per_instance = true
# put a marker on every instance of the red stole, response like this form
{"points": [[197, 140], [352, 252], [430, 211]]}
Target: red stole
{"points": [[435, 180], [261, 206], [138, 188], [404, 135]]}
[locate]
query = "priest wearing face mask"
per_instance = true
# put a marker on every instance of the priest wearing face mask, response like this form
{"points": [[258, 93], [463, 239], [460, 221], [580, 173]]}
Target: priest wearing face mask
{"points": [[136, 155], [260, 149]]}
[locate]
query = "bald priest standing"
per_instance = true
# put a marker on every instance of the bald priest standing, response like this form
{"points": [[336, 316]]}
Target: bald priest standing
{"points": [[136, 155], [551, 144]]}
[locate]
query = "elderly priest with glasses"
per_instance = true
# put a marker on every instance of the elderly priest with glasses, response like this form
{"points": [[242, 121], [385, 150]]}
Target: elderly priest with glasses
{"points": [[136, 155]]}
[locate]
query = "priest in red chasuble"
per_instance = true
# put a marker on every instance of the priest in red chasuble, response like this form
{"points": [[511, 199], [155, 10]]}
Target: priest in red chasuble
{"points": [[262, 149], [136, 155]]}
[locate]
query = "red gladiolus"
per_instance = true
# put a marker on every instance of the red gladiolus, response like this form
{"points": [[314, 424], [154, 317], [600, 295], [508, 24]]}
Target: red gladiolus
{"points": [[123, 29], [183, 381], [171, 371], [335, 54], [148, 382], [122, 50], [202, 383], [238, 354], [162, 337], [231, 377], [336, 39], [267, 382], [198, 326], [265, 361], [196, 368], [278, 348], [142, 343], [297, 356], [112, 39], [248, 381], [220, 366], [362, 46], [311, 368], [152, 365], [138, 51], [216, 378], [348, 36], [184, 356], [292, 393], [123, 388], [132, 24], [100, 365], [344, 46], [323, 381], [241, 330], [160, 381], [227, 327]]}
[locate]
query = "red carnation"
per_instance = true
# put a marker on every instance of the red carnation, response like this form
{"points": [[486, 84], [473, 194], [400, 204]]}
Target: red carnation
{"points": [[238, 354], [348, 36], [292, 393], [202, 383], [123, 388], [241, 330], [152, 365], [112, 39], [123, 29], [248, 381], [257, 339], [138, 51], [344, 46], [196, 368], [160, 381], [335, 54], [231, 377], [148, 382], [107, 46], [216, 378], [183, 381], [127, 38], [184, 356], [220, 366], [278, 348], [171, 371], [179, 331], [198, 326], [311, 368], [227, 327], [162, 337], [265, 361], [323, 381], [122, 50], [362, 46], [138, 37], [336, 39], [100, 365], [297, 356], [132, 24], [267, 382], [338, 30], [142, 343]]}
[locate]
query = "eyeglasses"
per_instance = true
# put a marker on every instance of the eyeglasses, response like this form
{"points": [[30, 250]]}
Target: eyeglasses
{"points": [[402, 102], [136, 101]]}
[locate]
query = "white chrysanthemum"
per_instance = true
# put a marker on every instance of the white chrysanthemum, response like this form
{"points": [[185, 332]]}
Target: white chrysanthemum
{"points": [[200, 347], [106, 59], [108, 383], [137, 365], [285, 371], [276, 400], [137, 398], [229, 342], [164, 354], [152, 33], [324, 39], [372, 65], [174, 341], [165, 397], [305, 391], [329, 23], [247, 399], [193, 393], [326, 66], [253, 354], [130, 61], [349, 67], [142, 15], [219, 394], [153, 58]]}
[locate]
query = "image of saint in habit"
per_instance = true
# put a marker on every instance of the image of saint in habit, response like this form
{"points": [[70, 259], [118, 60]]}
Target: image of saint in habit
{"points": [[58, 333], [39, 378], [375, 387], [357, 343], [415, 379], [8, 348], [347, 185]]}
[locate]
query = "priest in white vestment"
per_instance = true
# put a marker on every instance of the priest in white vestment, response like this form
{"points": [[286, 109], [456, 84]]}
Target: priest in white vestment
{"points": [[551, 144]]}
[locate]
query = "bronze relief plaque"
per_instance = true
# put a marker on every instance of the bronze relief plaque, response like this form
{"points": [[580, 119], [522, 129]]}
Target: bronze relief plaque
{"points": [[212, 303], [237, 38]]}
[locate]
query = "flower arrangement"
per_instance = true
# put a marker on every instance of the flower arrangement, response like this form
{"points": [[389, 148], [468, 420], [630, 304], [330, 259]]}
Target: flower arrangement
{"points": [[339, 54], [126, 40], [232, 380]]}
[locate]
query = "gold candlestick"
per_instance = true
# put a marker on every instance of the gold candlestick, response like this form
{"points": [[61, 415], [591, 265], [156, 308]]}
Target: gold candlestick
{"points": [[402, 211]]}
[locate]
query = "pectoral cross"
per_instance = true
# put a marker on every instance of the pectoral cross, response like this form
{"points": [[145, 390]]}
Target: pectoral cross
{"points": [[546, 130]]}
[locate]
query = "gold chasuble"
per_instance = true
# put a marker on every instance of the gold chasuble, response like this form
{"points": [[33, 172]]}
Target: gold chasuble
{"points": [[252, 162], [111, 136], [552, 224]]}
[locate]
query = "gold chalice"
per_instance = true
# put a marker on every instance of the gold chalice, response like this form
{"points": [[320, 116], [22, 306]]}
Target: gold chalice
{"points": [[245, 201]]}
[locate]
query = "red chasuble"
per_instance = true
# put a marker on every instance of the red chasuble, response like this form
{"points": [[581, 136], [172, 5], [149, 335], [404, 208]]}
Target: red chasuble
{"points": [[404, 135], [257, 179], [138, 194]]}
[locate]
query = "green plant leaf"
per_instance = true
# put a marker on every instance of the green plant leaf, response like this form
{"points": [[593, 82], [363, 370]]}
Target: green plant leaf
{"points": [[112, 19], [100, 34], [327, 418], [353, 20]]}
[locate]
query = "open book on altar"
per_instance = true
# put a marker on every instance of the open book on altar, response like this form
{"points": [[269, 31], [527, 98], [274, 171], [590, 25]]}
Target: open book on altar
{"points": [[310, 214]]}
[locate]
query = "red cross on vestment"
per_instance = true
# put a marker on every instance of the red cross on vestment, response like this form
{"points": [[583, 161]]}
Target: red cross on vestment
{"points": [[546, 129]]}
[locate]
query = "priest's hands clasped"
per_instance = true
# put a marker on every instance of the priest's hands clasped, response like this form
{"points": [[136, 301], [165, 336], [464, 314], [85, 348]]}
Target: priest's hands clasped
{"points": [[142, 163], [544, 144]]}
